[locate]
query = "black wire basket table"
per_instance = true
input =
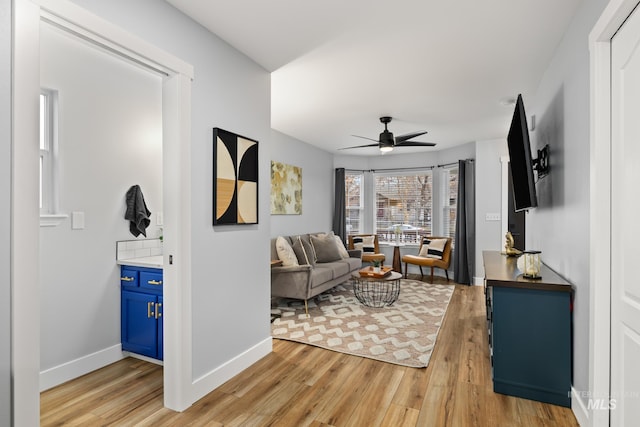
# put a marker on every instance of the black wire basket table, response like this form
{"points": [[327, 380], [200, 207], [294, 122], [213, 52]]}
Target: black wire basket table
{"points": [[377, 291]]}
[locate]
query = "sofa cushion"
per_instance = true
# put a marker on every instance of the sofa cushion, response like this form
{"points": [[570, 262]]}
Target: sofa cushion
{"points": [[433, 248], [304, 251], [353, 263], [285, 252], [339, 268], [341, 248], [320, 275], [326, 248]]}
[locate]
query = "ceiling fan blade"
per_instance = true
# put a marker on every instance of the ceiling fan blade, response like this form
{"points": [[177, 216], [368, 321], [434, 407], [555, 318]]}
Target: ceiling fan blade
{"points": [[415, 144], [365, 137], [407, 136], [360, 146]]}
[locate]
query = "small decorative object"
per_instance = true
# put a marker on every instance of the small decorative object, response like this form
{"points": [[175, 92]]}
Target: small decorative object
{"points": [[509, 250], [397, 231], [286, 189], [376, 266], [531, 264], [235, 179]]}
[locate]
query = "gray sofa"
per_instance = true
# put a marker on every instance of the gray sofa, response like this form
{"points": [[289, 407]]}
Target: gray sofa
{"points": [[308, 280]]}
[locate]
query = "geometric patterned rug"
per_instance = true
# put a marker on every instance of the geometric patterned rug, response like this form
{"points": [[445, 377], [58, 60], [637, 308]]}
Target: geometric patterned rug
{"points": [[404, 333]]}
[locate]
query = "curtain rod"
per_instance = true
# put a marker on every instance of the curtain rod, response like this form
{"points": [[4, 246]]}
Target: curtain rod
{"points": [[405, 169]]}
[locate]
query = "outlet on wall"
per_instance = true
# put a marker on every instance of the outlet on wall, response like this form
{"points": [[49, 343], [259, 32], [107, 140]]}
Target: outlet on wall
{"points": [[77, 220]]}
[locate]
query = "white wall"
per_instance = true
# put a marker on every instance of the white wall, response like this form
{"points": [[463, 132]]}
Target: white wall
{"points": [[559, 227], [317, 186], [231, 92], [5, 212], [488, 198], [110, 138]]}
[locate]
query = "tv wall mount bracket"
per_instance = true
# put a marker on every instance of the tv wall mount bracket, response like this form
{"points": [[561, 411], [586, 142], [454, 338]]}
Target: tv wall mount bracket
{"points": [[541, 163]]}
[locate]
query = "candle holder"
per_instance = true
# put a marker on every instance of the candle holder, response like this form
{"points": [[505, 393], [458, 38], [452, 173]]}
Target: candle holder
{"points": [[531, 264]]}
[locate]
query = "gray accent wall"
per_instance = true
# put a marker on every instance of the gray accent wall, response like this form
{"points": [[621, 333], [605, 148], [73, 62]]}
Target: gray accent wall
{"points": [[559, 227], [5, 212], [317, 186]]}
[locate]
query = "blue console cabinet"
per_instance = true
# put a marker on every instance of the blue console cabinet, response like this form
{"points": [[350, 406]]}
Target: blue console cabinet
{"points": [[141, 311], [530, 331]]}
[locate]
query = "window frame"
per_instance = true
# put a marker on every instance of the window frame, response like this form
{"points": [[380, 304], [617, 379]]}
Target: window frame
{"points": [[48, 158], [359, 207], [427, 225], [447, 229]]}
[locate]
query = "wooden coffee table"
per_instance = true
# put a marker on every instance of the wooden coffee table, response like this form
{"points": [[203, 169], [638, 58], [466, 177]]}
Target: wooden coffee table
{"points": [[377, 291]]}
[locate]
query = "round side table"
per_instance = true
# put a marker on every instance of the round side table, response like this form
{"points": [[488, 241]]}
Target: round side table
{"points": [[377, 291]]}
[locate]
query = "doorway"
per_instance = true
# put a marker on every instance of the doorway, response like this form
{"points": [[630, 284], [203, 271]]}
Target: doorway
{"points": [[176, 111], [516, 220], [602, 149], [101, 131]]}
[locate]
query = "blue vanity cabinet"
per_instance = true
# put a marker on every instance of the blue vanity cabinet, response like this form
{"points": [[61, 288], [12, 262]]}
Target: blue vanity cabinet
{"points": [[141, 311]]}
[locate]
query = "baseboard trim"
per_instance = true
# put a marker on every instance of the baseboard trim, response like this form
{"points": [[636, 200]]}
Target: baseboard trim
{"points": [[579, 409], [214, 379], [478, 281], [57, 375]]}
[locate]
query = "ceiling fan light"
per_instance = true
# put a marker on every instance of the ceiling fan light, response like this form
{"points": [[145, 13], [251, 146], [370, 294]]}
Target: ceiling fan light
{"points": [[386, 149]]}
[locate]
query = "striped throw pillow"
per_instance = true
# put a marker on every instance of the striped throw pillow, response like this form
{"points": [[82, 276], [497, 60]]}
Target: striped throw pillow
{"points": [[433, 248]]}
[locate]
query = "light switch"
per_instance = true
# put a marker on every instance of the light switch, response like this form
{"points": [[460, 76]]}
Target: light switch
{"points": [[159, 218], [492, 217], [77, 220]]}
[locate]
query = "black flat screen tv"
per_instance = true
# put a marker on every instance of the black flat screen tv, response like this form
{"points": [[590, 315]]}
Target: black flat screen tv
{"points": [[524, 186]]}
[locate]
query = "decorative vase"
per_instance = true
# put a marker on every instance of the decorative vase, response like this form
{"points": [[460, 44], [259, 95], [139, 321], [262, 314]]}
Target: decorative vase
{"points": [[529, 263], [376, 270], [397, 238]]}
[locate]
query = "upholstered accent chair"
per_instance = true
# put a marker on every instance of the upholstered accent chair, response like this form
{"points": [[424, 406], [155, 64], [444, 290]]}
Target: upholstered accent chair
{"points": [[368, 244], [433, 253]]}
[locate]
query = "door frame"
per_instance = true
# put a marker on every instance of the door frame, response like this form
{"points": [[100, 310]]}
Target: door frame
{"points": [[613, 16], [176, 129]]}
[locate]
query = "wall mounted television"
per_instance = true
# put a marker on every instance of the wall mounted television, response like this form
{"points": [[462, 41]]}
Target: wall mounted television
{"points": [[524, 186]]}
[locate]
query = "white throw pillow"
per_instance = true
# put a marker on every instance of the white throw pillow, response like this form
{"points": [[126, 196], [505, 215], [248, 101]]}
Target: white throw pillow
{"points": [[364, 244], [285, 252], [343, 251], [433, 248]]}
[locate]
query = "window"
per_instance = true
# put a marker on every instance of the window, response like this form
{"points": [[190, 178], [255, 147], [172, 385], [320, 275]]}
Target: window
{"points": [[48, 159], [403, 204], [450, 198], [354, 202]]}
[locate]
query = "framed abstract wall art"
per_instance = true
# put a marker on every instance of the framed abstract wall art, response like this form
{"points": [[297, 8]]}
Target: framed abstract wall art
{"points": [[235, 179], [286, 189]]}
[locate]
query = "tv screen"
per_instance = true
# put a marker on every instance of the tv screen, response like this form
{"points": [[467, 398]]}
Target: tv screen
{"points": [[524, 186]]}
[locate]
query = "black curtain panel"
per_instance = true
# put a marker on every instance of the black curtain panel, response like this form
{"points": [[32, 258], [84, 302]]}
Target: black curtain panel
{"points": [[465, 248], [339, 213]]}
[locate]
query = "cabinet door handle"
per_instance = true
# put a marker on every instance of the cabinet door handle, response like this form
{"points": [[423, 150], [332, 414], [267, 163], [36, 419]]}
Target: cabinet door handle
{"points": [[127, 279], [154, 282], [150, 312], [158, 307]]}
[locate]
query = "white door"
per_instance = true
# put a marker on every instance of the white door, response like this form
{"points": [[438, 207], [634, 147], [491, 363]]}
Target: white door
{"points": [[625, 224]]}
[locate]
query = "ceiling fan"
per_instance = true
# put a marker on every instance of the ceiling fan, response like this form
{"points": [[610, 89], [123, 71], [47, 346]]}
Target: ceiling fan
{"points": [[386, 142]]}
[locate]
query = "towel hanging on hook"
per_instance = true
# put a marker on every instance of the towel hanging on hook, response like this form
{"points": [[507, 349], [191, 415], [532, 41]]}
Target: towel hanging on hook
{"points": [[137, 212]]}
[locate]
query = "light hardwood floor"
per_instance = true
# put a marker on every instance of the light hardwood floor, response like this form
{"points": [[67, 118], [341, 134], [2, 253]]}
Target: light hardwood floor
{"points": [[301, 385]]}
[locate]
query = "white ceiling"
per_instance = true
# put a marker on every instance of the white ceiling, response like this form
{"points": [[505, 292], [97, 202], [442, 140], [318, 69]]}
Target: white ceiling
{"points": [[436, 65]]}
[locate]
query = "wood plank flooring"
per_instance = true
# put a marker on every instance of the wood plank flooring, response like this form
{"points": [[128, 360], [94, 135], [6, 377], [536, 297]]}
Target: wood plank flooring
{"points": [[301, 385]]}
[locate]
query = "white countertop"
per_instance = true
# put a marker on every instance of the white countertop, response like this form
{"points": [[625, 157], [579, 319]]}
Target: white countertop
{"points": [[148, 261]]}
